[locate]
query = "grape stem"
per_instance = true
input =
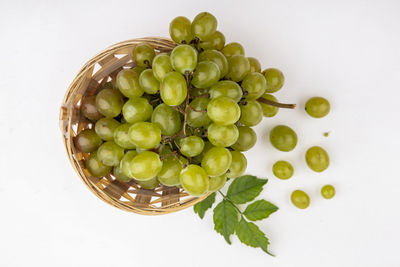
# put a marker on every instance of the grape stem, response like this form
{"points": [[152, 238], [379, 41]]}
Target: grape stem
{"points": [[227, 199], [188, 79], [276, 104]]}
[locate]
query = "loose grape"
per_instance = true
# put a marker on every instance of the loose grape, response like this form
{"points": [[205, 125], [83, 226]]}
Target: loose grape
{"points": [[254, 83], [121, 136], [226, 88], [282, 169], [300, 199], [161, 66], [149, 184], [216, 183], [145, 166], [125, 163], [239, 67], [180, 30], [194, 180], [184, 58], [173, 89], [169, 174], [87, 141], [110, 153], [95, 167], [198, 118], [216, 57], [89, 110], [143, 54], [274, 78], [255, 65], [148, 82], [223, 110], [204, 25], [128, 83], [105, 128], [223, 136], [206, 74], [167, 119], [317, 107], [216, 161], [317, 159], [268, 110], [137, 109], [109, 102], [238, 165], [191, 146], [251, 113], [328, 191], [195, 92], [283, 138], [139, 69], [233, 49], [145, 135], [246, 140], [215, 41], [119, 175]]}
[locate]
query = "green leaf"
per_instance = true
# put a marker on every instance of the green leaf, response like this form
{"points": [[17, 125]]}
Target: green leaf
{"points": [[245, 188], [259, 210], [201, 207], [225, 219], [251, 235]]}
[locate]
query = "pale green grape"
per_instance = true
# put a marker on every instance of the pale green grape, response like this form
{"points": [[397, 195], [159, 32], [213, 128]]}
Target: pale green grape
{"points": [[216, 161], [274, 79], [109, 102], [204, 25], [148, 82], [87, 141], [145, 135], [216, 183], [149, 184], [137, 109], [238, 165], [184, 58], [128, 83], [317, 159], [215, 41], [105, 128], [139, 69], [145, 166], [251, 113], [206, 74], [110, 154], [198, 118], [125, 163], [328, 191], [207, 146], [180, 30], [161, 66], [89, 109], [283, 138], [226, 88], [195, 92], [119, 175], [300, 199], [254, 83], [255, 65], [223, 136], [233, 49], [143, 54], [173, 89], [96, 167], [246, 140], [194, 180], [169, 174], [223, 110], [283, 169], [167, 119], [317, 107], [268, 110], [121, 136], [191, 146], [239, 67], [216, 57]]}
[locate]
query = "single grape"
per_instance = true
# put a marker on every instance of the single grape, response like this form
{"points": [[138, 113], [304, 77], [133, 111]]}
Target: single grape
{"points": [[204, 25], [128, 83], [246, 140], [317, 159], [145, 166], [87, 141], [216, 183], [282, 169], [173, 89], [161, 66], [109, 102], [137, 109], [143, 54], [196, 92], [233, 49], [105, 128], [283, 138], [169, 174], [119, 175], [95, 167], [238, 165], [207, 146], [215, 41], [184, 58], [191, 146], [216, 57], [274, 78], [121, 136], [300, 199], [223, 110], [180, 30], [254, 83], [145, 135], [206, 74], [167, 119], [149, 184], [317, 107], [239, 67], [216, 161], [148, 82], [328, 191], [110, 154], [194, 180], [255, 65], [223, 136], [139, 69], [268, 110], [198, 118], [251, 113], [89, 109], [226, 88], [125, 163]]}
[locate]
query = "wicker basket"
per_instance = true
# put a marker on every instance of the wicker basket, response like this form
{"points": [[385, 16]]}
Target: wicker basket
{"points": [[126, 196]]}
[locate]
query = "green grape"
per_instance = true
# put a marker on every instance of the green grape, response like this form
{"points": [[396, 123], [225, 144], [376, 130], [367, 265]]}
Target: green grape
{"points": [[239, 67], [194, 180], [169, 174], [149, 184], [167, 119], [128, 83], [125, 163], [317, 159], [198, 118], [119, 175], [148, 82], [173, 89], [274, 78], [109, 102], [207, 146], [161, 66], [246, 140], [196, 92], [180, 30], [137, 109], [216, 57], [283, 138], [206, 74], [216, 161], [254, 83], [191, 146], [145, 135], [139, 69], [300, 199], [328, 191], [216, 183], [204, 25], [255, 65], [110, 154], [215, 41], [143, 54], [89, 109], [226, 88], [105, 128], [223, 136], [95, 167], [87, 141], [184, 58], [223, 110], [121, 136], [282, 169], [145, 166], [317, 107], [268, 110], [251, 113], [238, 165], [233, 49]]}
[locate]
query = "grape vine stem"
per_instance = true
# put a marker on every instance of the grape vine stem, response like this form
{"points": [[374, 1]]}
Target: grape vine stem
{"points": [[276, 104]]}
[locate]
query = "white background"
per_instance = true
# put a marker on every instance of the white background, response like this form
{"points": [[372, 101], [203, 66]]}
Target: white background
{"points": [[346, 51]]}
